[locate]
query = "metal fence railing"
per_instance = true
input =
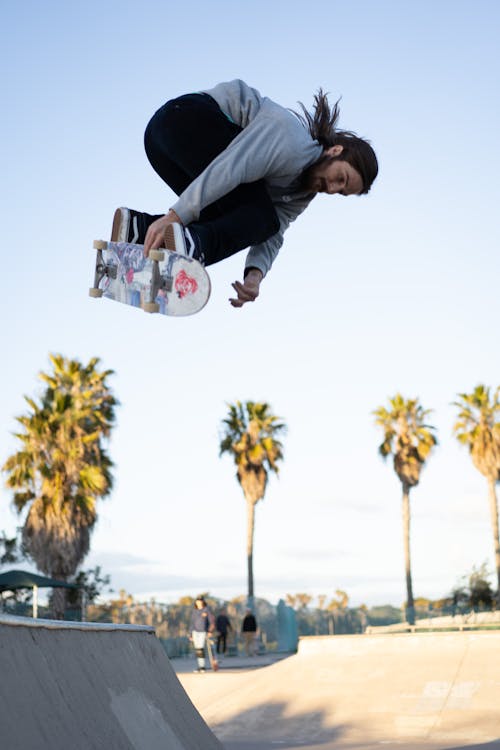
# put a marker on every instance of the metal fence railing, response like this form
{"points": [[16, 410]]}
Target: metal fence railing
{"points": [[438, 620]]}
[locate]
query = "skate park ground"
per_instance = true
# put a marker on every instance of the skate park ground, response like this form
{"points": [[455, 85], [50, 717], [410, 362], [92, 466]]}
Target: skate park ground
{"points": [[91, 687], [406, 691]]}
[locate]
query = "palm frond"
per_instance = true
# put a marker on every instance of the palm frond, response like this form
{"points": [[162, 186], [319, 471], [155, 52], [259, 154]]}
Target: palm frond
{"points": [[406, 436], [478, 427], [248, 434]]}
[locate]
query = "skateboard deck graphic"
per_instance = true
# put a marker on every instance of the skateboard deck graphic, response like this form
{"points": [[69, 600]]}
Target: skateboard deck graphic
{"points": [[165, 282]]}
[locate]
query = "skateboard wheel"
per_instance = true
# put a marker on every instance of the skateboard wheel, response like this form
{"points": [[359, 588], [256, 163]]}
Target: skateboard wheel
{"points": [[158, 255], [100, 245], [151, 307], [95, 292]]}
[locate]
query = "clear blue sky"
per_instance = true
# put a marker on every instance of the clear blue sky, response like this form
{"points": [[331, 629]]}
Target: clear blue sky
{"points": [[396, 291]]}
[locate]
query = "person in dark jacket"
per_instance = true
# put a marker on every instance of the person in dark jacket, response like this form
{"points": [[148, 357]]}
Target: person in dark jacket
{"points": [[223, 626], [249, 631]]}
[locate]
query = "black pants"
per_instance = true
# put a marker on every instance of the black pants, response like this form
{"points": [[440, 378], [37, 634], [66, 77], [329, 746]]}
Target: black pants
{"points": [[221, 643], [181, 140]]}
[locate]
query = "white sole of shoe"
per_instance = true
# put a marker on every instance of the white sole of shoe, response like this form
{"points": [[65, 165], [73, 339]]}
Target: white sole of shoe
{"points": [[119, 230]]}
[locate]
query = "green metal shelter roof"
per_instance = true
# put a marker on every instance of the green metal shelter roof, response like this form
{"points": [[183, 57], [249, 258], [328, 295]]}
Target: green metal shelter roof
{"points": [[21, 579]]}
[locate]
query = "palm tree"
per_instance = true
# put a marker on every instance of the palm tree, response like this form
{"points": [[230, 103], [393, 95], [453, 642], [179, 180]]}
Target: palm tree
{"points": [[338, 611], [409, 440], [291, 600], [478, 427], [304, 600], [249, 436], [62, 467]]}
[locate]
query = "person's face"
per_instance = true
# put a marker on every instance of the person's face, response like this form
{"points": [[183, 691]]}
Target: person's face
{"points": [[199, 604], [332, 175]]}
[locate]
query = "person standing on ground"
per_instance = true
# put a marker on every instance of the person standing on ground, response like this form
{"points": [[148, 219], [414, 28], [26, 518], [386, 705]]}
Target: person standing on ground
{"points": [[243, 168], [223, 626], [249, 631], [201, 625]]}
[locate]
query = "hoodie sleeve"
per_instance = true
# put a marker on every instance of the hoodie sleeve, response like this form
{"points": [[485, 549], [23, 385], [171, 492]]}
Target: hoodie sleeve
{"points": [[263, 255]]}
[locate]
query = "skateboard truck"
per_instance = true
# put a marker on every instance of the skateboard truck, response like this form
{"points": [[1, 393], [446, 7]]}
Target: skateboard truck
{"points": [[158, 281], [102, 269]]}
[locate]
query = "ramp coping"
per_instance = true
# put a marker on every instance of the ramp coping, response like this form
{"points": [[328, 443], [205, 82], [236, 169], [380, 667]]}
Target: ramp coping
{"points": [[29, 622]]}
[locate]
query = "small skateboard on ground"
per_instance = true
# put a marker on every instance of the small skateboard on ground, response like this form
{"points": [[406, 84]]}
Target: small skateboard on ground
{"points": [[212, 658], [165, 282]]}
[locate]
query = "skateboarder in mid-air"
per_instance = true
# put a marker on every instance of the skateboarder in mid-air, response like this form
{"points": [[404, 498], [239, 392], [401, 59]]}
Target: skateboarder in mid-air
{"points": [[243, 168]]}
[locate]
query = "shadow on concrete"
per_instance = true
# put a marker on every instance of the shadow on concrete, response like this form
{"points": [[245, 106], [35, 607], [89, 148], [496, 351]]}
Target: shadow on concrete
{"points": [[273, 727], [495, 745], [333, 744], [231, 663]]}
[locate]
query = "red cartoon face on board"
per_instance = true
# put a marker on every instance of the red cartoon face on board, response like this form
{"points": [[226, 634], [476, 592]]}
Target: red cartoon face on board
{"points": [[185, 284]]}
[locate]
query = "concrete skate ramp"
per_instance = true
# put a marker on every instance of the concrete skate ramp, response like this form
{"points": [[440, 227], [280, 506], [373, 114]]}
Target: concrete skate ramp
{"points": [[87, 687], [369, 691]]}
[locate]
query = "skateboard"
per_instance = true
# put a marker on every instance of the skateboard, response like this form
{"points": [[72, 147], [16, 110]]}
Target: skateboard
{"points": [[211, 655], [165, 282]]}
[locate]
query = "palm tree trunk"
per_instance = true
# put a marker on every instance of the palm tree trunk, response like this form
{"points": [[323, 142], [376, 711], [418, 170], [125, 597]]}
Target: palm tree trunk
{"points": [[58, 603], [250, 530], [410, 605], [494, 522]]}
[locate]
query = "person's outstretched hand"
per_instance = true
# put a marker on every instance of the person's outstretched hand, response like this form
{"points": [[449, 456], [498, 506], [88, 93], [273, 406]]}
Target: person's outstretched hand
{"points": [[249, 290], [155, 236]]}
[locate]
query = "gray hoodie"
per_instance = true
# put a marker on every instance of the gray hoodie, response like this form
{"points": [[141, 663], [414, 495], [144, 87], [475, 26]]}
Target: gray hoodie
{"points": [[202, 620], [274, 145]]}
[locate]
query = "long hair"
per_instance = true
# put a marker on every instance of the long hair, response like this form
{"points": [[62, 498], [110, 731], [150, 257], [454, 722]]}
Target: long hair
{"points": [[322, 126]]}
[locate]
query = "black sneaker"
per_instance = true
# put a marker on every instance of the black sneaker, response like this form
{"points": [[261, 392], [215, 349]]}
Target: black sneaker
{"points": [[184, 241], [131, 226]]}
